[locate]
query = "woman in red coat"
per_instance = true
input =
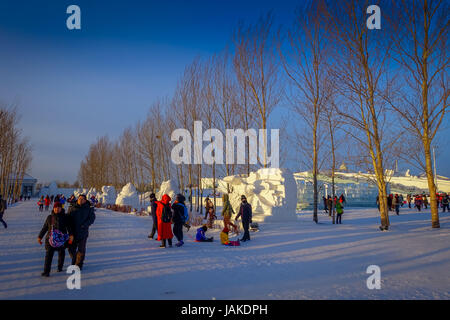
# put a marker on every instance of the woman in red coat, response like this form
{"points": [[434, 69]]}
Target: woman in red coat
{"points": [[47, 202], [164, 228]]}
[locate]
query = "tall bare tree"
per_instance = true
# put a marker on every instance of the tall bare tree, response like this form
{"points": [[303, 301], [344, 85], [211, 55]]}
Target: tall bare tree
{"points": [[360, 62], [256, 64], [420, 34], [305, 66]]}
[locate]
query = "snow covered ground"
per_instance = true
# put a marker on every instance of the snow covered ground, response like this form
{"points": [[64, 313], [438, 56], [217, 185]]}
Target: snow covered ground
{"points": [[299, 260]]}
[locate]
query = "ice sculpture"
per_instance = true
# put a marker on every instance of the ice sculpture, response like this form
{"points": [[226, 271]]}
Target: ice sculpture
{"points": [[108, 195], [167, 187], [128, 197], [272, 193]]}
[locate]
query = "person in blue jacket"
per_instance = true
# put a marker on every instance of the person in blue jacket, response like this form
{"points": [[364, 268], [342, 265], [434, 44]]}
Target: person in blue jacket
{"points": [[201, 236]]}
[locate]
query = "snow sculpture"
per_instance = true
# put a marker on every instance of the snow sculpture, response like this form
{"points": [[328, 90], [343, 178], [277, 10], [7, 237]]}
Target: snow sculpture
{"points": [[128, 197], [108, 195], [167, 187], [272, 193], [92, 192]]}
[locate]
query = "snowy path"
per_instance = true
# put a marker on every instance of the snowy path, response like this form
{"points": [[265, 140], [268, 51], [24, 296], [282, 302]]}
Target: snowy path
{"points": [[300, 260]]}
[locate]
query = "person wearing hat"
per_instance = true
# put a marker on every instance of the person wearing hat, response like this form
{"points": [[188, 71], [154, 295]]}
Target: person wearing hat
{"points": [[180, 216], [81, 216], [201, 235], [153, 207], [245, 211], [57, 221]]}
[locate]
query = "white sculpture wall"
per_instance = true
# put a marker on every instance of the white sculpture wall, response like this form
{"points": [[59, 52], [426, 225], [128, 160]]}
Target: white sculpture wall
{"points": [[271, 192]]}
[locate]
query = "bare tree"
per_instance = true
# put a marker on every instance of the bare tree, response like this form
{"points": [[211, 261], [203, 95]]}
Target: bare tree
{"points": [[256, 64], [360, 63], [420, 33], [305, 66]]}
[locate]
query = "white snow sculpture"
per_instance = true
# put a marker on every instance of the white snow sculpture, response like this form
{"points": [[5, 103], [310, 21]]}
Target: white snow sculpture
{"points": [[128, 197], [91, 192], [167, 187], [108, 195], [272, 193]]}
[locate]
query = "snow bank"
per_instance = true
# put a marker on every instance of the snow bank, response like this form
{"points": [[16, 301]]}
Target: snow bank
{"points": [[128, 197], [271, 192], [167, 187], [108, 195]]}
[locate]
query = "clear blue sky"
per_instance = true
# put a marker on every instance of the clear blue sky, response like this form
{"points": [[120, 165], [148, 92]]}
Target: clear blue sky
{"points": [[73, 86]]}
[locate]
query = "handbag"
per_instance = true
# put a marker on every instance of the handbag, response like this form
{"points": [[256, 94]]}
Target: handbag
{"points": [[56, 237]]}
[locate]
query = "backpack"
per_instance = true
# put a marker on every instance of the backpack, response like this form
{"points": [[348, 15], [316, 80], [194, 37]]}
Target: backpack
{"points": [[56, 237], [185, 214], [166, 214]]}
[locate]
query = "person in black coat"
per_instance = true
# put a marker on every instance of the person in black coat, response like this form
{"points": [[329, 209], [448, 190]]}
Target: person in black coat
{"points": [[179, 218], [81, 217], [245, 211], [57, 220], [153, 206]]}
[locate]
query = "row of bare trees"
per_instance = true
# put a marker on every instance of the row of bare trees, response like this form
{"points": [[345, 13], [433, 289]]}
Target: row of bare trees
{"points": [[352, 93], [15, 154]]}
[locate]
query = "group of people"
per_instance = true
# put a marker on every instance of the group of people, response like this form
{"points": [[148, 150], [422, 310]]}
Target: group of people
{"points": [[170, 218], [337, 203], [66, 231], [419, 201], [49, 200], [24, 197]]}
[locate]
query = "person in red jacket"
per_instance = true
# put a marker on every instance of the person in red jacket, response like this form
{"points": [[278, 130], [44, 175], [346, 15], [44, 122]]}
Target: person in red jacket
{"points": [[47, 202], [164, 216]]}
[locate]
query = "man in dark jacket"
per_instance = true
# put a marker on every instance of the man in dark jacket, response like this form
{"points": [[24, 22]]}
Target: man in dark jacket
{"points": [[245, 212], [57, 220], [179, 218], [81, 216], [153, 214], [3, 207]]}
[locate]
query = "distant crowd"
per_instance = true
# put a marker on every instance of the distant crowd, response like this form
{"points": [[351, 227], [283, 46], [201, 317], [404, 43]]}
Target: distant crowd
{"points": [[419, 201]]}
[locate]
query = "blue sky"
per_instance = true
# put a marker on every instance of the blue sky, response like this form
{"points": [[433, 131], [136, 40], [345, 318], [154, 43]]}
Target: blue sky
{"points": [[73, 86]]}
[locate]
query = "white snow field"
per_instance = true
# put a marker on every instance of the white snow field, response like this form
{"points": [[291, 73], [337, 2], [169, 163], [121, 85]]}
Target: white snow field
{"points": [[295, 260]]}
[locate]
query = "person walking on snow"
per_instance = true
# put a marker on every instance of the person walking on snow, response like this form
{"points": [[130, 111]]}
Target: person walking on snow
{"points": [[396, 204], [153, 214], [180, 216], [445, 203], [210, 213], [245, 211], [340, 212], [58, 231], [47, 202], [41, 204], [3, 207], [408, 199], [425, 201], [81, 216], [164, 216]]}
